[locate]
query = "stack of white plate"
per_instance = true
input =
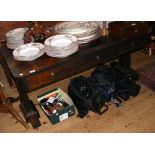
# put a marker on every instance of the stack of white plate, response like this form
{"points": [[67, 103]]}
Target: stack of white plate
{"points": [[15, 37], [84, 31], [28, 52], [61, 45]]}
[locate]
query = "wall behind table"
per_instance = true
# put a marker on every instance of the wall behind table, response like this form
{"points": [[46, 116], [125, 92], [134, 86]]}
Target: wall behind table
{"points": [[6, 26]]}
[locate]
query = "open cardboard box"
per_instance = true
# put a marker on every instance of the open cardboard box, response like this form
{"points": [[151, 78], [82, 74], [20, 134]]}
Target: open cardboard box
{"points": [[56, 104]]}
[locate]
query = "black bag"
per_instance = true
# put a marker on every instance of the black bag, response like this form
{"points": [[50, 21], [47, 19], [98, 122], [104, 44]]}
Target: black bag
{"points": [[116, 82], [104, 79], [125, 81], [86, 97]]}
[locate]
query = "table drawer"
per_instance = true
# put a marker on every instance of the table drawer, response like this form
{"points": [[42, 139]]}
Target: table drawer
{"points": [[101, 55], [52, 75], [87, 61], [109, 53]]}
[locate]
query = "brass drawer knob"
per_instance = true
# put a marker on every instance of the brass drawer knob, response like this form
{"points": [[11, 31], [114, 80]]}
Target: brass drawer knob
{"points": [[97, 57], [52, 74], [136, 30]]}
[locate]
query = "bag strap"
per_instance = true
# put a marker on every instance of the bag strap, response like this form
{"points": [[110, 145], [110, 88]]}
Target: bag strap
{"points": [[117, 101], [104, 110], [98, 109]]}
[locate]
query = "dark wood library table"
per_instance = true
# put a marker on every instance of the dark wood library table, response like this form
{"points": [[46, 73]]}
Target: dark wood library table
{"points": [[29, 76]]}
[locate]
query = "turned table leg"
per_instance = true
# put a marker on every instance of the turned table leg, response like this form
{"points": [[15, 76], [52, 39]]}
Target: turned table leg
{"points": [[29, 111], [27, 107]]}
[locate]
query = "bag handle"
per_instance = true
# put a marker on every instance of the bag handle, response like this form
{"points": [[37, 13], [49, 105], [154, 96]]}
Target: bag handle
{"points": [[104, 110]]}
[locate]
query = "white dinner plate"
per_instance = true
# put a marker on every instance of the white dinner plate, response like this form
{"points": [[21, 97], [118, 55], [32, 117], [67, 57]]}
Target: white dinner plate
{"points": [[76, 28], [16, 32], [60, 41], [28, 52]]}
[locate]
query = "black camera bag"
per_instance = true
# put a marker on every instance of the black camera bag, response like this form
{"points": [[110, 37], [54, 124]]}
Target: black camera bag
{"points": [[86, 97], [125, 81], [104, 79]]}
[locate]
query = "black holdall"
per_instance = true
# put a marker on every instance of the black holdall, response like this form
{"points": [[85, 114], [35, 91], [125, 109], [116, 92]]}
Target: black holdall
{"points": [[104, 79], [86, 97], [125, 81]]}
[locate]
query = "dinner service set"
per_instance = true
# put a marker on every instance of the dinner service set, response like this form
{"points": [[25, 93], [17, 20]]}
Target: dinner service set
{"points": [[65, 41]]}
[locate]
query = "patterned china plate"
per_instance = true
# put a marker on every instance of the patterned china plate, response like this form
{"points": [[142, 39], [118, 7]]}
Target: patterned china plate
{"points": [[76, 28], [61, 45], [61, 41], [28, 52], [16, 32], [62, 54]]}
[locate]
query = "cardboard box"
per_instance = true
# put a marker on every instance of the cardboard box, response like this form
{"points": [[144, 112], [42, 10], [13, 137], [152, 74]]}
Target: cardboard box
{"points": [[57, 105]]}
